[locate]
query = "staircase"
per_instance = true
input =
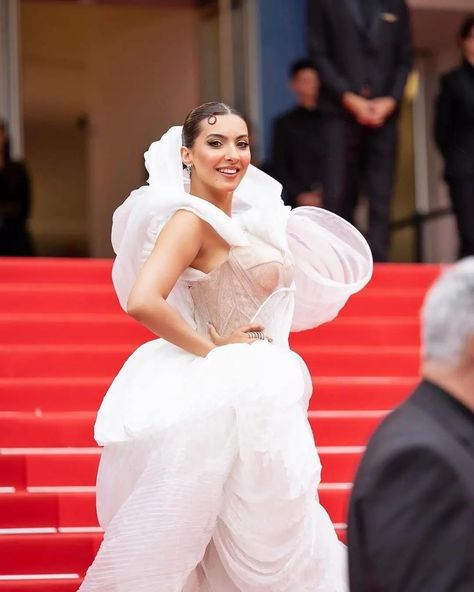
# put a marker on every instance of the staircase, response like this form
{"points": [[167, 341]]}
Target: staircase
{"points": [[62, 339]]}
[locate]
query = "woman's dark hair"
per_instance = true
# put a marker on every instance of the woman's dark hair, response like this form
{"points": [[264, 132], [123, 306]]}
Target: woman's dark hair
{"points": [[466, 27], [209, 111], [6, 145]]}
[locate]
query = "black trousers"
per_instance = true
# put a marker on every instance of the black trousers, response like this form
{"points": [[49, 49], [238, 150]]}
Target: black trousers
{"points": [[356, 156], [462, 198], [15, 240]]}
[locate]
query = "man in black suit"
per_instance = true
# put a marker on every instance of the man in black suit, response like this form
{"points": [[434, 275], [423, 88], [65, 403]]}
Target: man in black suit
{"points": [[454, 133], [297, 146], [362, 50], [411, 515]]}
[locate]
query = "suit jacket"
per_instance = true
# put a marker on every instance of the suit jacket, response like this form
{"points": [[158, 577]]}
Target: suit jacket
{"points": [[411, 515], [454, 122], [369, 60], [296, 159]]}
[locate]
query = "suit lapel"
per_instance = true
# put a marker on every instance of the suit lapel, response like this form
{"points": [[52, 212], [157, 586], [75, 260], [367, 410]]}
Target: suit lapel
{"points": [[354, 9], [377, 19]]}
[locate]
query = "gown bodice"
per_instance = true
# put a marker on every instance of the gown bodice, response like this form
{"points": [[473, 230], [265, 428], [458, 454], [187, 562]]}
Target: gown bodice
{"points": [[239, 290]]}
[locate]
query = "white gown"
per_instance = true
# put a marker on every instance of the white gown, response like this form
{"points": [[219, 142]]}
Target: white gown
{"points": [[209, 473]]}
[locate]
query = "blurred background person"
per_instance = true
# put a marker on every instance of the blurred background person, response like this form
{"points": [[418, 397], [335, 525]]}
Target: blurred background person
{"points": [[411, 516], [15, 200], [454, 132], [363, 53], [296, 150]]}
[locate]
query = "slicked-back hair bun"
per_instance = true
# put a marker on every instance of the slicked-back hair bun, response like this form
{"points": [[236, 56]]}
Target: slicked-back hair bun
{"points": [[209, 111]]}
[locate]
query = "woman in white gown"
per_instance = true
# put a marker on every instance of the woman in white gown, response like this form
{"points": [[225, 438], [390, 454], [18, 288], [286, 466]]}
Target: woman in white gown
{"points": [[209, 474]]}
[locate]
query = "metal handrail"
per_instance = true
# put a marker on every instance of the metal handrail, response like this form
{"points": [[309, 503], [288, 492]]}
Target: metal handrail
{"points": [[417, 221]]}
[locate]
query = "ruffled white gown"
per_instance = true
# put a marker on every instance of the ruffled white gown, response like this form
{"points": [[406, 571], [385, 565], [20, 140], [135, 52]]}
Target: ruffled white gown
{"points": [[209, 473]]}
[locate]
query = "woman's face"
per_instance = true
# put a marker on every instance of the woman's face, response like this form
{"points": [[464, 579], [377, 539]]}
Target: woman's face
{"points": [[467, 46], [220, 155]]}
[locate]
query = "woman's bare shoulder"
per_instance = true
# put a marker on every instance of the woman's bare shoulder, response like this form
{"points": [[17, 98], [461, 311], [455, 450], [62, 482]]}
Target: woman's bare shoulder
{"points": [[184, 222]]}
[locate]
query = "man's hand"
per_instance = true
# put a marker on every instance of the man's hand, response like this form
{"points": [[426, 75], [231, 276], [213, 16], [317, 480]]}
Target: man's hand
{"points": [[381, 109], [373, 112], [358, 106]]}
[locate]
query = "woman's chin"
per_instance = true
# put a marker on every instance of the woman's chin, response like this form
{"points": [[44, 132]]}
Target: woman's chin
{"points": [[229, 184]]}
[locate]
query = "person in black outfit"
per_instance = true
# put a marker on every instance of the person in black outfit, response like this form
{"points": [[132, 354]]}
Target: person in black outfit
{"points": [[297, 145], [15, 199], [454, 133], [411, 513], [362, 50]]}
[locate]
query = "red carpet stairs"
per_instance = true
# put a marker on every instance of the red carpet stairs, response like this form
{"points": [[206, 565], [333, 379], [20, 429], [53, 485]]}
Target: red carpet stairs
{"points": [[62, 339]]}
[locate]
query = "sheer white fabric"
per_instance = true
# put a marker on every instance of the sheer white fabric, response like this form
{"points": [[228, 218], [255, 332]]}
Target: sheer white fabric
{"points": [[209, 474], [333, 261]]}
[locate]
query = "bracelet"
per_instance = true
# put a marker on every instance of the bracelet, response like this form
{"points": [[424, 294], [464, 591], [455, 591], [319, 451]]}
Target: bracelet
{"points": [[256, 334]]}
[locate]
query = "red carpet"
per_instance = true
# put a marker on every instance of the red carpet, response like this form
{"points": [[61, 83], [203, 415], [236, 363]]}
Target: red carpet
{"points": [[62, 339]]}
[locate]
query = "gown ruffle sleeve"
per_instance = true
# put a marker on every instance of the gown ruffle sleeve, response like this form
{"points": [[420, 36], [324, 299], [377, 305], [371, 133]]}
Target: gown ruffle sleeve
{"points": [[139, 220], [332, 261]]}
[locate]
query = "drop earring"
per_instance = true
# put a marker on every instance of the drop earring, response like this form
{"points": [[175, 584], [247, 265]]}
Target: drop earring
{"points": [[187, 173]]}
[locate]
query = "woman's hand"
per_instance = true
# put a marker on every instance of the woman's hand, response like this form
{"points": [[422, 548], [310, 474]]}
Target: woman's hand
{"points": [[238, 336]]}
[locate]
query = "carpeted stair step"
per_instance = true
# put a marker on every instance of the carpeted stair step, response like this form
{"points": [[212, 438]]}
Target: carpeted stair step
{"points": [[59, 298], [22, 510], [365, 393], [67, 329], [55, 553], [52, 394], [339, 463], [76, 299], [79, 271], [47, 553], [54, 270], [384, 303], [42, 584], [21, 469], [86, 394], [19, 430], [100, 360], [75, 467], [391, 275], [36, 510]]}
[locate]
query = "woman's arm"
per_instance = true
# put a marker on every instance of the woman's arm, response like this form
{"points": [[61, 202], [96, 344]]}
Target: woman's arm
{"points": [[176, 248]]}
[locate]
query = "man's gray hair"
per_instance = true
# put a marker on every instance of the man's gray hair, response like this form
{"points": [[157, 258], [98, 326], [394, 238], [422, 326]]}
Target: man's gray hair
{"points": [[448, 314]]}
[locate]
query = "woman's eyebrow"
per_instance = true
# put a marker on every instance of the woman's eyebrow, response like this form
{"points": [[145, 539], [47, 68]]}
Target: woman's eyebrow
{"points": [[216, 135]]}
